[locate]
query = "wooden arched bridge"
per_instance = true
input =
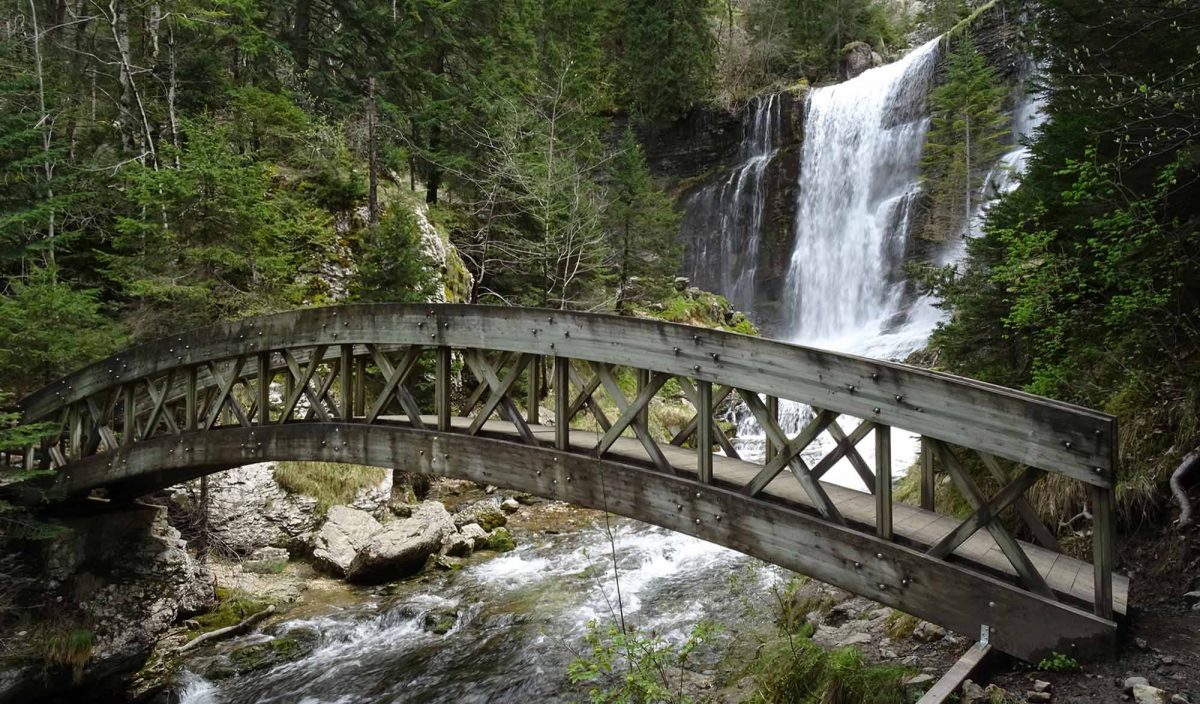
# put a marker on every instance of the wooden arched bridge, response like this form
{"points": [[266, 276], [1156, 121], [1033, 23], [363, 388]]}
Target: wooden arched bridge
{"points": [[455, 390]]}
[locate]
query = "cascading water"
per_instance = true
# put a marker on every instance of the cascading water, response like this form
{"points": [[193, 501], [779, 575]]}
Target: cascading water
{"points": [[734, 207], [858, 181]]}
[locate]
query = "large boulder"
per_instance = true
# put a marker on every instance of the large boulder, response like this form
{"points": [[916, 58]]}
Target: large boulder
{"points": [[346, 532], [403, 545], [857, 57]]}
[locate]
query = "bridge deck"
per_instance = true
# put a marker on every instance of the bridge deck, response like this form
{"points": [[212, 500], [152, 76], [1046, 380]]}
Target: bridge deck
{"points": [[1066, 575]]}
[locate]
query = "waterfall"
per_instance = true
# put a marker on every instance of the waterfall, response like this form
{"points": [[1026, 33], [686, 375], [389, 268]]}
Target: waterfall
{"points": [[734, 207], [858, 181]]}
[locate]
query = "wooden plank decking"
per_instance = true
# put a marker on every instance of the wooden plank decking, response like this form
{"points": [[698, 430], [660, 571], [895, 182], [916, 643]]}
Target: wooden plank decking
{"points": [[1065, 575]]}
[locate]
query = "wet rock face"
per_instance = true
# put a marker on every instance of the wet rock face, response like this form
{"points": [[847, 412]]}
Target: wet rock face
{"points": [[126, 576]]}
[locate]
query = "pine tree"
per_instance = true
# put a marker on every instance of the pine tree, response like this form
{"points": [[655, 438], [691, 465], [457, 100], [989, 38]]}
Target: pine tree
{"points": [[641, 225], [669, 56], [966, 135]]}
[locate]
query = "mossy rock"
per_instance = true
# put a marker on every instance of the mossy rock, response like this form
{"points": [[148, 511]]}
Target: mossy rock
{"points": [[293, 645], [440, 621], [499, 540]]}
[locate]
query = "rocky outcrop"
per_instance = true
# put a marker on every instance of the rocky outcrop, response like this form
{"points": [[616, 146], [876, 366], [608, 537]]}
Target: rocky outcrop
{"points": [[247, 510], [487, 514], [401, 547], [119, 578]]}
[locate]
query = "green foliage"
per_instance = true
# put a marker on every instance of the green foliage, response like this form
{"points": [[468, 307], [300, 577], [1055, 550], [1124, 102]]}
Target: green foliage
{"points": [[392, 267], [966, 135], [641, 224], [499, 540], [233, 607], [793, 669], [1084, 283], [49, 327], [1057, 662], [631, 667], [329, 483], [669, 56]]}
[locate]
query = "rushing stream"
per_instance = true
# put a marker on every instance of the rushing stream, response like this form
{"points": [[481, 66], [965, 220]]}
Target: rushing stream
{"points": [[520, 615]]}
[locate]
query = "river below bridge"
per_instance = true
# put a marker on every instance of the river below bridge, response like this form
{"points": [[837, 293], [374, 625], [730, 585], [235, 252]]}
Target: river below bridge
{"points": [[518, 618]]}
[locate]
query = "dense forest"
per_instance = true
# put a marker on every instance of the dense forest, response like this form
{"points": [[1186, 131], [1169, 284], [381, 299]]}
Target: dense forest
{"points": [[171, 164], [166, 164]]}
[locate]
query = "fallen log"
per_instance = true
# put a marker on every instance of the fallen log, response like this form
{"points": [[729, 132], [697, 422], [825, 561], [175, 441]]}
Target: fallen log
{"points": [[1181, 478], [229, 631]]}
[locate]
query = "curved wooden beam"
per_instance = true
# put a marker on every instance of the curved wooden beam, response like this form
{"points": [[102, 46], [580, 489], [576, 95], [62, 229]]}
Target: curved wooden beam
{"points": [[1023, 624], [1038, 432]]}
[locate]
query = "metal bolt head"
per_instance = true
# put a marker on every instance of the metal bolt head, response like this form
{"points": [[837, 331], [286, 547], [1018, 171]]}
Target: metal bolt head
{"points": [[875, 409]]}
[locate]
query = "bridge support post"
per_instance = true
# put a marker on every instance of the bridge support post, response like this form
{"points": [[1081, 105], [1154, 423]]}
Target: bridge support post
{"points": [[129, 434], [345, 370], [643, 417], [1102, 550], [442, 394], [264, 388], [189, 400], [704, 440], [535, 397], [883, 481], [562, 403]]}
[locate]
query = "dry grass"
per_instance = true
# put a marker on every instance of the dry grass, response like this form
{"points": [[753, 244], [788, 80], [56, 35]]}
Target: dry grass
{"points": [[331, 484]]}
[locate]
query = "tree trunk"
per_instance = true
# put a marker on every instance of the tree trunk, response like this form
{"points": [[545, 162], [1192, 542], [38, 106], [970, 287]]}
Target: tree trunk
{"points": [[372, 158], [1180, 479]]}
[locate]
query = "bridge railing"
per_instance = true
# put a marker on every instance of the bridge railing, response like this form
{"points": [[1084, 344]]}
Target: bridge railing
{"points": [[372, 365]]}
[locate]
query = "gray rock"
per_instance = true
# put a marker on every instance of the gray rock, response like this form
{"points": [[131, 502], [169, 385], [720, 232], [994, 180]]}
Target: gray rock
{"points": [[1179, 699], [1032, 696], [510, 505], [457, 545], [1145, 694], [487, 514], [346, 532], [927, 632], [473, 531], [918, 680], [1133, 681], [1041, 686], [859, 57], [269, 554], [402, 546]]}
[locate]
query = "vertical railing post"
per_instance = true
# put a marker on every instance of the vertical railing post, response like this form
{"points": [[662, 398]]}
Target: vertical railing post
{"points": [[346, 369], [769, 448], [130, 412], [883, 481], [1102, 549], [704, 437], [264, 388], [190, 405], [927, 476], [562, 403], [442, 390], [533, 404], [360, 386]]}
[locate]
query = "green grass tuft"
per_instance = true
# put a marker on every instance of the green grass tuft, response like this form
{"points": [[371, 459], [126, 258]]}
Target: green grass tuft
{"points": [[797, 671], [329, 483]]}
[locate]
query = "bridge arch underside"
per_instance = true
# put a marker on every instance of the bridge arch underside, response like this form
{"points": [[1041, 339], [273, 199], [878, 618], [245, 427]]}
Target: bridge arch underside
{"points": [[959, 597]]}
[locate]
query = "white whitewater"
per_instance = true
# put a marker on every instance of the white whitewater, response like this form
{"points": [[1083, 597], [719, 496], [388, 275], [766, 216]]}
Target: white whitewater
{"points": [[859, 177], [734, 207], [858, 181]]}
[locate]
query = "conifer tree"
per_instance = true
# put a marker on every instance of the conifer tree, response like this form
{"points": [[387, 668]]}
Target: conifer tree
{"points": [[641, 224], [966, 134]]}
